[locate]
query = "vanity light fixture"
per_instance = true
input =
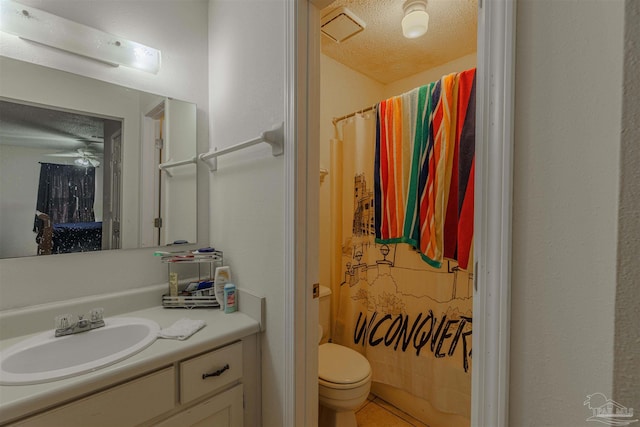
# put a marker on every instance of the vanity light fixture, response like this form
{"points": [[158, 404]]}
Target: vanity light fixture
{"points": [[416, 19], [41, 27]]}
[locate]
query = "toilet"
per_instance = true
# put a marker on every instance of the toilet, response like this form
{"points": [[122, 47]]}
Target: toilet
{"points": [[344, 375]]}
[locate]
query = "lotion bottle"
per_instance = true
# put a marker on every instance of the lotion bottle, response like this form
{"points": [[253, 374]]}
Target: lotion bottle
{"points": [[222, 277], [230, 298]]}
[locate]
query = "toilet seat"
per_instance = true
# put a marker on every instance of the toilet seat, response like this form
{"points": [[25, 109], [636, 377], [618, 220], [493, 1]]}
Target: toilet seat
{"points": [[340, 386], [340, 367]]}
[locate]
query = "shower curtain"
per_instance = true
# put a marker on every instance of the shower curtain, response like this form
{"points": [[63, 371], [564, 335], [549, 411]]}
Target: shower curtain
{"points": [[411, 320]]}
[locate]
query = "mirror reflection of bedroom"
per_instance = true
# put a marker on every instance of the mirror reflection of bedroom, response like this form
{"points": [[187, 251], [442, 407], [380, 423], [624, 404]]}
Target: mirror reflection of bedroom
{"points": [[133, 154], [67, 166]]}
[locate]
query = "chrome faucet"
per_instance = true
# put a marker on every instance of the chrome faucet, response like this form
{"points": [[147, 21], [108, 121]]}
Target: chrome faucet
{"points": [[66, 324]]}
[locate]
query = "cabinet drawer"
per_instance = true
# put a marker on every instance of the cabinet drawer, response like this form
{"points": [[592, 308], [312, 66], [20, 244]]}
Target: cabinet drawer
{"points": [[209, 372], [128, 404]]}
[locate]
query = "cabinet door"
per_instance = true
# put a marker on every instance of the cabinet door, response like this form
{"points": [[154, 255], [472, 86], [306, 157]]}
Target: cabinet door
{"points": [[125, 405], [222, 410]]}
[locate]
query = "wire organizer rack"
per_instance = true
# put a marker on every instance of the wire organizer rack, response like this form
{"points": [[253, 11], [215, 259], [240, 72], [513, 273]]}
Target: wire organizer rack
{"points": [[200, 297]]}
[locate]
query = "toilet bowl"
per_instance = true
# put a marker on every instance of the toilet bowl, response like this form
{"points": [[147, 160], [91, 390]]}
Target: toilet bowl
{"points": [[344, 382], [344, 378]]}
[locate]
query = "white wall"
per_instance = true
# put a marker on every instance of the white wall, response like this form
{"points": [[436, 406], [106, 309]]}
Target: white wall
{"points": [[566, 173], [431, 75], [179, 192], [246, 72], [627, 334], [19, 197], [179, 29]]}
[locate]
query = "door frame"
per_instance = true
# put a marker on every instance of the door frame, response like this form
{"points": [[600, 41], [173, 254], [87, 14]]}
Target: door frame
{"points": [[493, 200], [495, 87]]}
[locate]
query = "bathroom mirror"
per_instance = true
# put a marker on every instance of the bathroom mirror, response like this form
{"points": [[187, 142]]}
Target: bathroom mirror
{"points": [[80, 164]]}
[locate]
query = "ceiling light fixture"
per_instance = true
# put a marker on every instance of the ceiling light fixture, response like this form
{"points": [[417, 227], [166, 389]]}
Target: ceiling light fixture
{"points": [[51, 30], [85, 162], [416, 18], [82, 161]]}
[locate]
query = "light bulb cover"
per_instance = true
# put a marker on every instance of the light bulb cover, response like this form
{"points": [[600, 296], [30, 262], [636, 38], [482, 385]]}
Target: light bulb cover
{"points": [[416, 19], [82, 162]]}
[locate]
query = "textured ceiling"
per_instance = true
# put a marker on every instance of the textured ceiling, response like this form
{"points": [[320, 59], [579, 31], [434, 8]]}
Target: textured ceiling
{"points": [[382, 53], [31, 126]]}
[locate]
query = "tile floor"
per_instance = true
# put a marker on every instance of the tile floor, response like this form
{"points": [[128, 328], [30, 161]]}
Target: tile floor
{"points": [[378, 413]]}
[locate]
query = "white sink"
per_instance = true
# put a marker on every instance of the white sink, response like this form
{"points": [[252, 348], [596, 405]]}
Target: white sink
{"points": [[44, 357]]}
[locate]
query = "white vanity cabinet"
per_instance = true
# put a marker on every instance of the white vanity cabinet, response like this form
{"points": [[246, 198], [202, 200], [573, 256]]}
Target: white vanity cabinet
{"points": [[223, 410], [203, 389], [209, 372], [201, 376], [131, 403]]}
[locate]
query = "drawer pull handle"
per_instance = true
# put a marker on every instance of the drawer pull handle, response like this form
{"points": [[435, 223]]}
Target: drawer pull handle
{"points": [[216, 373]]}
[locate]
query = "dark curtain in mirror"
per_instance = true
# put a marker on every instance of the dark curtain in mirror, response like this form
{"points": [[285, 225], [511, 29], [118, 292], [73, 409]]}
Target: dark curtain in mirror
{"points": [[65, 195]]}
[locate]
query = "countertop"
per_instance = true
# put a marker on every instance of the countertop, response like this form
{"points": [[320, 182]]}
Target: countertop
{"points": [[221, 329]]}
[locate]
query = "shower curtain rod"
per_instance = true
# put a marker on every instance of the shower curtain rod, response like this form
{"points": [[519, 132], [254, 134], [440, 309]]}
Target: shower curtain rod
{"points": [[339, 119]]}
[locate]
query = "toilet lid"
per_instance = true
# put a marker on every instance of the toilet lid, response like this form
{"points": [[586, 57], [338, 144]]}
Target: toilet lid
{"points": [[341, 365]]}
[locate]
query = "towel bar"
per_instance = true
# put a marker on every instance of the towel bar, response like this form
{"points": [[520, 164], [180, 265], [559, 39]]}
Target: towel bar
{"points": [[273, 137], [170, 164]]}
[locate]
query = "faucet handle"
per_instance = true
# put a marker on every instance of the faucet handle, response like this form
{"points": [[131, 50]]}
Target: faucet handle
{"points": [[95, 315], [64, 321]]}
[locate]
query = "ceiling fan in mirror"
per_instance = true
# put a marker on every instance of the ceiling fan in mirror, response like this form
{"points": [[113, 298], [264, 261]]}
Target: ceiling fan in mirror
{"points": [[86, 156]]}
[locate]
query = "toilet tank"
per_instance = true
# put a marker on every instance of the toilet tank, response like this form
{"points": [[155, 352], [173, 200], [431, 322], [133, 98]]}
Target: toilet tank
{"points": [[325, 312]]}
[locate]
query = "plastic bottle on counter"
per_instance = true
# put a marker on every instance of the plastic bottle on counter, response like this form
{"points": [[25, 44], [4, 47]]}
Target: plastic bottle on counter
{"points": [[230, 300], [221, 278], [173, 284]]}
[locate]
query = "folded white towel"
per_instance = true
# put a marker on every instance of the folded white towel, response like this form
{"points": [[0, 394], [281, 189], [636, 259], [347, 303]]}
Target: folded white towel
{"points": [[182, 329]]}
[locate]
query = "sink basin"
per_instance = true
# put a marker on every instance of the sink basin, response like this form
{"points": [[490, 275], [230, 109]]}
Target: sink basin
{"points": [[44, 357]]}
